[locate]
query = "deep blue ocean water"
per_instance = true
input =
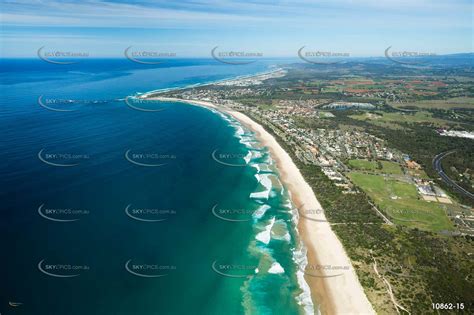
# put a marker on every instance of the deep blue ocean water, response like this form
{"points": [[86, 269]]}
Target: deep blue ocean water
{"points": [[109, 210]]}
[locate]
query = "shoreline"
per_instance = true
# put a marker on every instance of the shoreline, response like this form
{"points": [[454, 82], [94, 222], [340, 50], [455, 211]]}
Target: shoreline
{"points": [[197, 85], [332, 292]]}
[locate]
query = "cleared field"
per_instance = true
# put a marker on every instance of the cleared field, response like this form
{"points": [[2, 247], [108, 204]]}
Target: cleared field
{"points": [[331, 89], [363, 165], [401, 203], [391, 168], [385, 167], [456, 102], [394, 119], [409, 117]]}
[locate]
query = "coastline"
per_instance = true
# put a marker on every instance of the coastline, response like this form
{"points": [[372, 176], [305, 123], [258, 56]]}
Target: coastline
{"points": [[197, 85], [334, 292]]}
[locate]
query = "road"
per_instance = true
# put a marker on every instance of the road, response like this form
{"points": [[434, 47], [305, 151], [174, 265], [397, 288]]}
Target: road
{"points": [[437, 166], [381, 214]]}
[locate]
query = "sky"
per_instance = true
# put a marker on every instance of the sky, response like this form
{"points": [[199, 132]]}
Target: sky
{"points": [[192, 28]]}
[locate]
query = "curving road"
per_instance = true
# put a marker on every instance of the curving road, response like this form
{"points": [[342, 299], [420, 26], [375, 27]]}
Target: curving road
{"points": [[437, 166]]}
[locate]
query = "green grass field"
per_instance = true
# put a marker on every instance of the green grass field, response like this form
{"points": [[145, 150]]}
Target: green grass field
{"points": [[392, 120], [456, 102], [387, 167], [365, 165], [391, 168], [401, 202]]}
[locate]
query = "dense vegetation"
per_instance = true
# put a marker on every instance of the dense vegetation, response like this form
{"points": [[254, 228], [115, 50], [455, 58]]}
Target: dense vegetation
{"points": [[460, 167], [422, 143]]}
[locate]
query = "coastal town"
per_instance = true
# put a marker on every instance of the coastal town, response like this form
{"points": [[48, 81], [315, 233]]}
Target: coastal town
{"points": [[340, 153]]}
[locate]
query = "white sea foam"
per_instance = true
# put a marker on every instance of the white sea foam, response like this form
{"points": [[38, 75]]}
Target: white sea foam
{"points": [[304, 299], [247, 139], [287, 237], [265, 168], [265, 236], [299, 256], [258, 214], [248, 157], [256, 166], [260, 195], [276, 268], [246, 143], [262, 168], [256, 154], [240, 131], [251, 155], [295, 214], [281, 233], [265, 181]]}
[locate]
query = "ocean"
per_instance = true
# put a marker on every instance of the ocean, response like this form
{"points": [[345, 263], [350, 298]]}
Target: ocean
{"points": [[110, 210]]}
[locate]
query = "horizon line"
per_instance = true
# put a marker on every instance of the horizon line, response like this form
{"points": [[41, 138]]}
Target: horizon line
{"points": [[256, 58]]}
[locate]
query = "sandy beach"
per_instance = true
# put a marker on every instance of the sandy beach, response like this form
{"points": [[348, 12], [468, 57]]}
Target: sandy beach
{"points": [[334, 285]]}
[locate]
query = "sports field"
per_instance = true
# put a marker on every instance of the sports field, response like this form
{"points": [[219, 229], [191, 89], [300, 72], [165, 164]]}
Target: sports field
{"points": [[401, 202], [380, 166]]}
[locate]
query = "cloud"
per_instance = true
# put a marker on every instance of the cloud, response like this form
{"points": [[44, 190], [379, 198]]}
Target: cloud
{"points": [[362, 25], [205, 13]]}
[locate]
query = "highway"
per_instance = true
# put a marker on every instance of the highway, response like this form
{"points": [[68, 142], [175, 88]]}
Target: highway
{"points": [[437, 166]]}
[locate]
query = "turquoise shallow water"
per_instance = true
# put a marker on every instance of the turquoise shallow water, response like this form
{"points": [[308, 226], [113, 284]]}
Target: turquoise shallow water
{"points": [[108, 210]]}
